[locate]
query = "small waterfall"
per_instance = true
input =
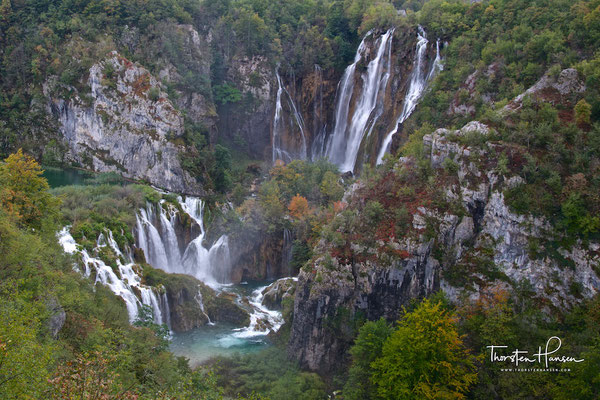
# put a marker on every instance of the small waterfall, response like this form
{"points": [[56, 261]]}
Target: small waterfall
{"points": [[417, 85], [210, 265], [437, 66], [150, 241], [349, 130], [122, 286], [287, 250], [201, 304], [319, 125], [166, 311], [262, 320], [279, 153]]}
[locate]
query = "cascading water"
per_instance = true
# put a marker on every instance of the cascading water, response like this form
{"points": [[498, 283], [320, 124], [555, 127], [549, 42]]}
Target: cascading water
{"points": [[437, 66], [121, 286], [201, 305], [319, 126], [279, 153], [262, 320], [287, 250], [210, 265], [349, 130], [417, 85]]}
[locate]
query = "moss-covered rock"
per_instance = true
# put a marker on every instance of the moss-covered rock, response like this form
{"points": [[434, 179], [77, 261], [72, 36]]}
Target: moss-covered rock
{"points": [[274, 294], [192, 304]]}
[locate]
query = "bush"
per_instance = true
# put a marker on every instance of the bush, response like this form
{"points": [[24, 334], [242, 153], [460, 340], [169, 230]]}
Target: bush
{"points": [[154, 93]]}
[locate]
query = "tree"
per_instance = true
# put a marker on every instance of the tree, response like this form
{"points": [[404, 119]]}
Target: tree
{"points": [[366, 349], [298, 207], [24, 361], [5, 11], [24, 192], [270, 203], [221, 174], [424, 358], [583, 113], [90, 376], [331, 189]]}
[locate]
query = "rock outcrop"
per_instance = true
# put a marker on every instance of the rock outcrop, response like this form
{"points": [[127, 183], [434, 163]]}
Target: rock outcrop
{"points": [[257, 257], [485, 247], [554, 89], [56, 316], [126, 124], [192, 304], [246, 124], [279, 291]]}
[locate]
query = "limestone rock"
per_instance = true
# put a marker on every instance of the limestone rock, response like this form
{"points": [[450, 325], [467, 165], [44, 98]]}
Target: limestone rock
{"points": [[555, 90], [279, 290], [125, 125]]}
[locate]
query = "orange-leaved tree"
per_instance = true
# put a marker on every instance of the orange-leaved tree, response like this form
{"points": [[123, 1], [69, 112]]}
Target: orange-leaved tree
{"points": [[298, 207]]}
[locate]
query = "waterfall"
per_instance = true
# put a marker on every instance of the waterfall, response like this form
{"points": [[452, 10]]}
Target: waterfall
{"points": [[437, 66], [122, 286], [166, 311], [279, 153], [200, 302], [150, 241], [349, 130], [156, 236], [259, 315], [319, 125], [418, 82], [287, 250]]}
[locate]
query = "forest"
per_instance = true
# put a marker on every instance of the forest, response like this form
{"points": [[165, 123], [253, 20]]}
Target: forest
{"points": [[356, 327]]}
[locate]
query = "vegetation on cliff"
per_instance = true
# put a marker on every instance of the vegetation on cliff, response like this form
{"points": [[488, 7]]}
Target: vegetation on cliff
{"points": [[59, 334]]}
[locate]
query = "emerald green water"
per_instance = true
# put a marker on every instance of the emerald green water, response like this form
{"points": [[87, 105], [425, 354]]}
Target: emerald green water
{"points": [[220, 339], [210, 341], [58, 177]]}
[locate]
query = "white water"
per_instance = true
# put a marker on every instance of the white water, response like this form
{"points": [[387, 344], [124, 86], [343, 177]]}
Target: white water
{"points": [[156, 236], [262, 320], [279, 153], [349, 131], [122, 287], [418, 83], [156, 233]]}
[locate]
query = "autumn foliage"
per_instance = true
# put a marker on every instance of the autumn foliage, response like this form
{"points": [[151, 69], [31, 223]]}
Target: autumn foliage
{"points": [[298, 207], [24, 191]]}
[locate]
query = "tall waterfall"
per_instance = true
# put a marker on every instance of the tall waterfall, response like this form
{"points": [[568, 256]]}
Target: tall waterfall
{"points": [[349, 130], [156, 236], [278, 146], [418, 82], [123, 285]]}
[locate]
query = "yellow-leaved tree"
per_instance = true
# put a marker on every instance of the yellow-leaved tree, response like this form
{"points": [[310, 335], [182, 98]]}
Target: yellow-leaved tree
{"points": [[424, 358], [24, 192]]}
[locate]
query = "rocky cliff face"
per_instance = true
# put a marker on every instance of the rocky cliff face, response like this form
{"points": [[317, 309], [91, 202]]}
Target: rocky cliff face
{"points": [[258, 257], [190, 74], [486, 247], [246, 124], [125, 125]]}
